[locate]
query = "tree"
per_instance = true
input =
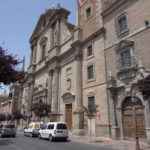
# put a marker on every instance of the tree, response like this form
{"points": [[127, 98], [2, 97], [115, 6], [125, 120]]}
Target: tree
{"points": [[8, 71]]}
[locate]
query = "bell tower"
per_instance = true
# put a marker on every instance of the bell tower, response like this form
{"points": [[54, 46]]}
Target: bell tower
{"points": [[89, 17]]}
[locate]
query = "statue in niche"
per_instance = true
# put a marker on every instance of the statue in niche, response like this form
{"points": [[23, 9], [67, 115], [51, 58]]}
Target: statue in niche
{"points": [[68, 84]]}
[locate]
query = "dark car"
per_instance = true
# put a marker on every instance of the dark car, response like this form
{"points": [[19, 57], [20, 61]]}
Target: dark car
{"points": [[8, 130], [1, 126]]}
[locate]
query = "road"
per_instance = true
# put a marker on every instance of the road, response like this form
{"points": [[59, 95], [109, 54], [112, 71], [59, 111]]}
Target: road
{"points": [[28, 143]]}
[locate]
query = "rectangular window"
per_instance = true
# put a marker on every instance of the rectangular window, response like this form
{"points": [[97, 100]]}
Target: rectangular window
{"points": [[90, 72], [125, 56], [89, 50], [122, 24], [88, 12], [91, 104]]}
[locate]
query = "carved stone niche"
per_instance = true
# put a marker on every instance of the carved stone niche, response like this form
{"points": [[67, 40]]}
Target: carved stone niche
{"points": [[68, 84], [68, 97]]}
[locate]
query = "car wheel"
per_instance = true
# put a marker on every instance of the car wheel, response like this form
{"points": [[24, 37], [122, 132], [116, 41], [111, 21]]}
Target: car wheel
{"points": [[39, 136], [32, 135], [14, 136], [66, 139], [50, 138]]}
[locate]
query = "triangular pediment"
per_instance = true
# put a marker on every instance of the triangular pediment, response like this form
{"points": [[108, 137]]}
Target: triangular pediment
{"points": [[46, 18]]}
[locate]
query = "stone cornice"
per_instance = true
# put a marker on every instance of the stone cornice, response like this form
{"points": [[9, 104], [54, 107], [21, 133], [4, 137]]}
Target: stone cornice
{"points": [[41, 92], [116, 4], [101, 31]]}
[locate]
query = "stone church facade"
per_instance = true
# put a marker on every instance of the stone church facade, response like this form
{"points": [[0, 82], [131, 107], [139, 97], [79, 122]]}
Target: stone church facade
{"points": [[55, 70], [88, 74]]}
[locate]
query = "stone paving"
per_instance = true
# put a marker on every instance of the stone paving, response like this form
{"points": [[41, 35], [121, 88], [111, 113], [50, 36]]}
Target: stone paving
{"points": [[109, 143]]}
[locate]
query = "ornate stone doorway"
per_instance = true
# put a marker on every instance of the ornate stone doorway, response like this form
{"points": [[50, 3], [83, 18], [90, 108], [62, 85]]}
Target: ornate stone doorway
{"points": [[133, 118], [68, 115]]}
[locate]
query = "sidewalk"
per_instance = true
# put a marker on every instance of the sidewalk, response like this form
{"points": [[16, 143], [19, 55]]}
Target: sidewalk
{"points": [[109, 143]]}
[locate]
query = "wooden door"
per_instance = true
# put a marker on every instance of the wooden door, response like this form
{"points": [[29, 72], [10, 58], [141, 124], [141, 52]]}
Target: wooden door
{"points": [[133, 120], [68, 115]]}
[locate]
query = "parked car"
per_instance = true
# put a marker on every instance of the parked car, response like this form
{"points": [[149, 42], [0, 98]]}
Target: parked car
{"points": [[1, 126], [53, 131], [8, 130], [33, 129]]}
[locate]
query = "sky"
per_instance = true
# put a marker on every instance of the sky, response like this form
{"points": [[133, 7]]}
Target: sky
{"points": [[18, 19]]}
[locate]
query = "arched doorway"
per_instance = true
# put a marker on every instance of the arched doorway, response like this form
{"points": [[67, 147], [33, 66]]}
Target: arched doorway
{"points": [[133, 118]]}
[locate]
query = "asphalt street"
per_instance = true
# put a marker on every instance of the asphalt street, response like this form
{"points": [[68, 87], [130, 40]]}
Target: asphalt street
{"points": [[28, 143]]}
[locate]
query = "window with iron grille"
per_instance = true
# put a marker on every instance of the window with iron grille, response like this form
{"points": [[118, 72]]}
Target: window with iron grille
{"points": [[125, 57], [122, 22], [91, 104], [90, 72]]}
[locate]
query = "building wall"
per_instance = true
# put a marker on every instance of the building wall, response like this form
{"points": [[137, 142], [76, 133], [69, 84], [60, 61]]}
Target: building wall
{"points": [[137, 13], [134, 10], [96, 86], [94, 22]]}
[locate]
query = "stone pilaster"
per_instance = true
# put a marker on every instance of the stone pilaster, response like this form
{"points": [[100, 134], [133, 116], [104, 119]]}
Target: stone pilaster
{"points": [[50, 79], [79, 112], [55, 90], [115, 131], [147, 120], [119, 115], [30, 98]]}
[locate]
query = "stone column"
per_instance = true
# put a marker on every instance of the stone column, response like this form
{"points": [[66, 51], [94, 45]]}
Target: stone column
{"points": [[50, 79], [55, 90], [147, 120], [79, 111], [115, 127], [30, 98], [119, 114]]}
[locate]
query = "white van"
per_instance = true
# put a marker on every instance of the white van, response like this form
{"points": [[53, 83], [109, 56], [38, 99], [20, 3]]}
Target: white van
{"points": [[54, 130], [33, 129]]}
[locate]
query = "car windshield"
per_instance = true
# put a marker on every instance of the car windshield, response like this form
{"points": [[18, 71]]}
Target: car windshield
{"points": [[61, 126], [43, 126]]}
